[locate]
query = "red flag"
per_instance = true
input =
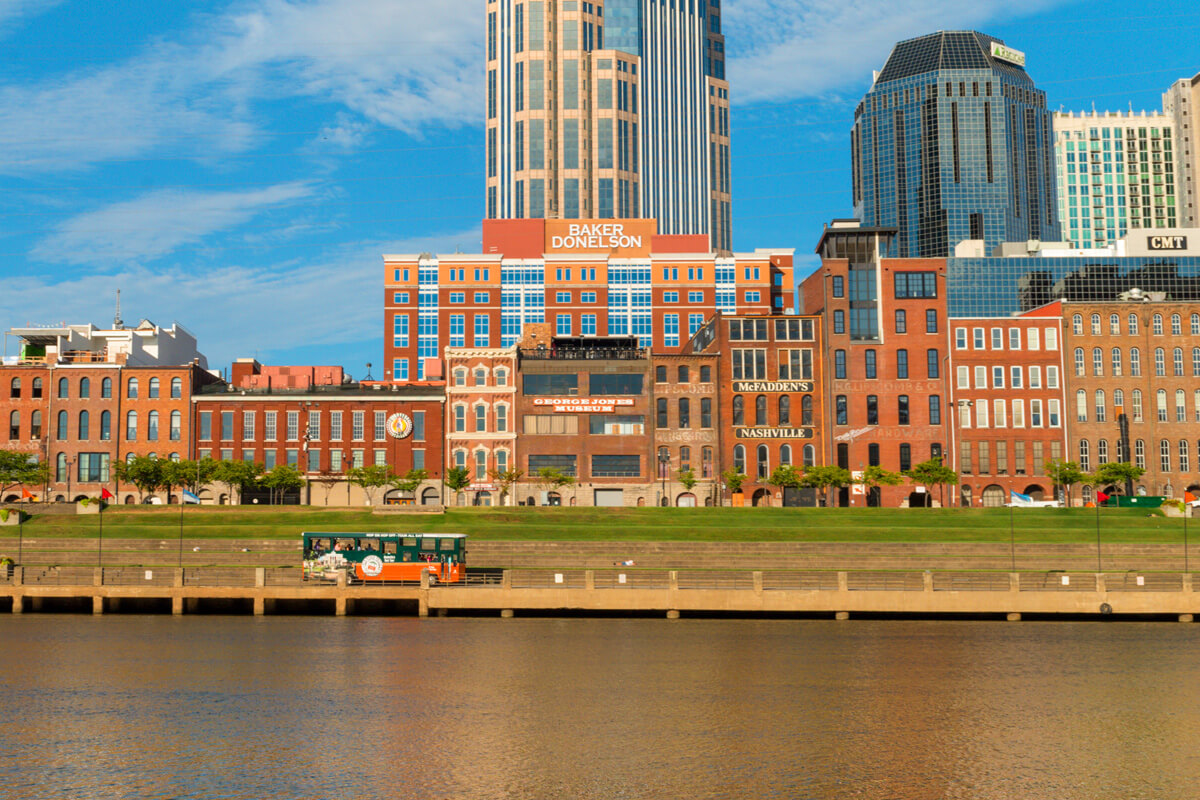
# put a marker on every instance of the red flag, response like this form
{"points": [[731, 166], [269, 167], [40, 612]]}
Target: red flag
{"points": [[105, 494], [26, 494], [1188, 497], [1101, 497]]}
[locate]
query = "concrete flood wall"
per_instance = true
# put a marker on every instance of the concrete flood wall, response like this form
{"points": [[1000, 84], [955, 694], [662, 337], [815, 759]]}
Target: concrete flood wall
{"points": [[615, 591]]}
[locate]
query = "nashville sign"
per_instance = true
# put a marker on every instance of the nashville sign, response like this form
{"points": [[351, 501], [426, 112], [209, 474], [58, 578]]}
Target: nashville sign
{"points": [[772, 386], [583, 405], [773, 433]]}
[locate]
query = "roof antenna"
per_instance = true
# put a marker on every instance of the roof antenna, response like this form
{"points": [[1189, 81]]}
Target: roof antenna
{"points": [[118, 323]]}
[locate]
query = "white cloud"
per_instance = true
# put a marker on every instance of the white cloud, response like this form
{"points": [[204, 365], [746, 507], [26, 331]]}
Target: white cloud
{"points": [[157, 223], [783, 50], [237, 310], [405, 64], [12, 10]]}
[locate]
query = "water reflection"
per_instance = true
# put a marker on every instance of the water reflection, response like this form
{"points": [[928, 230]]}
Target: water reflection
{"points": [[196, 707]]}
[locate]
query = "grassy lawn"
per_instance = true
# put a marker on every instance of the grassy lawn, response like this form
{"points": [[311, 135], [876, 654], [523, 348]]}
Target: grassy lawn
{"points": [[640, 524]]}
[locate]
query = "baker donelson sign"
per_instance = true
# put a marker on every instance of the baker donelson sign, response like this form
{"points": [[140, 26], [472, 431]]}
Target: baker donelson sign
{"points": [[772, 386], [583, 405], [773, 433], [598, 236]]}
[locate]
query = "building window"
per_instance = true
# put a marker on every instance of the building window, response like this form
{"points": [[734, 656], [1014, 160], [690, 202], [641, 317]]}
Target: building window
{"points": [[739, 410], [764, 461], [869, 363], [931, 357], [911, 285], [872, 409], [931, 320], [154, 384], [902, 409], [839, 321], [739, 458], [685, 413], [131, 391], [901, 321], [902, 364], [840, 410], [839, 364], [661, 412], [839, 286]]}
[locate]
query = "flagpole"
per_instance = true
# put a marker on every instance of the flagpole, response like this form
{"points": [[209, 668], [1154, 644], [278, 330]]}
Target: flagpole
{"points": [[100, 550], [181, 499]]}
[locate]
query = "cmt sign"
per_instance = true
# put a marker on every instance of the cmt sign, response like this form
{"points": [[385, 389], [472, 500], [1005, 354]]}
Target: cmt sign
{"points": [[1166, 242], [631, 237]]}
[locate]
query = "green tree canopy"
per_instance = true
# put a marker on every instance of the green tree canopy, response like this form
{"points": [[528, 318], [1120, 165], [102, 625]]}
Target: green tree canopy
{"points": [[237, 475], [734, 478], [282, 478], [409, 481], [786, 476], [878, 476], [146, 473], [826, 478], [371, 478], [457, 479], [687, 477], [932, 473], [1116, 473], [16, 469], [1065, 474]]}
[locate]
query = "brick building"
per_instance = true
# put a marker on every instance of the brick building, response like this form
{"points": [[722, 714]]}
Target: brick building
{"points": [[82, 398], [481, 428], [585, 409], [1007, 399], [884, 332], [323, 429], [1140, 358], [686, 428], [584, 278], [770, 403]]}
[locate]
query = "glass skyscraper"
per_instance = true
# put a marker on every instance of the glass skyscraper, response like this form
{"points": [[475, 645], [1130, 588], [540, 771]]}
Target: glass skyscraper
{"points": [[609, 109], [953, 142]]}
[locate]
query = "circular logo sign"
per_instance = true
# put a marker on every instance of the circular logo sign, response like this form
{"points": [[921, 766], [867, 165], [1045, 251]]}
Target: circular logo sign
{"points": [[400, 426], [372, 566]]}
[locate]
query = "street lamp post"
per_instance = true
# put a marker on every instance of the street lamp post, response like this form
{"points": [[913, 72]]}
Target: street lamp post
{"points": [[664, 458], [346, 471]]}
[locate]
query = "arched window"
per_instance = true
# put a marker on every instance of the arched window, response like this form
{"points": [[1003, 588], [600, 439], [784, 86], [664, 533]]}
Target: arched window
{"points": [[706, 465], [760, 410], [806, 410], [131, 426], [61, 468], [660, 406], [85, 388], [739, 458], [685, 413], [1180, 406], [1102, 452], [1114, 324], [1116, 361], [460, 377], [1196, 362], [739, 410], [14, 426], [1100, 406], [1085, 460], [1097, 361], [37, 388], [1080, 405], [1161, 403], [480, 464], [480, 418], [685, 458], [174, 457], [176, 388], [764, 461], [60, 432], [502, 377], [1133, 324], [15, 387], [106, 388], [1164, 456], [810, 455], [785, 411], [1156, 324], [63, 389], [1177, 361], [1176, 325], [152, 427], [105, 426], [785, 455], [1095, 324], [481, 376], [1160, 362], [154, 388], [664, 461], [35, 425], [1185, 459], [501, 418], [683, 373], [1136, 398], [460, 418], [460, 459], [176, 426], [1195, 324], [1077, 324], [1135, 362], [1079, 368], [82, 433], [1139, 453], [131, 389]]}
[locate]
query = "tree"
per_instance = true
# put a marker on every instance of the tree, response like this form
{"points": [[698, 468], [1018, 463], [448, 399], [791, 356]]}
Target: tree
{"points": [[1065, 474], [933, 473], [1116, 473], [239, 474], [457, 479], [283, 478], [687, 478], [554, 478], [17, 470], [177, 473], [371, 478], [826, 478], [733, 478], [143, 472], [874, 476], [410, 481], [326, 480], [507, 479], [786, 476]]}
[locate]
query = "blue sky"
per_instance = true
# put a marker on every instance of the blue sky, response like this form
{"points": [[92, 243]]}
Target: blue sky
{"points": [[241, 166]]}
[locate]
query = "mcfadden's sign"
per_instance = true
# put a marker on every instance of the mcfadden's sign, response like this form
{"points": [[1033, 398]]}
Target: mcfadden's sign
{"points": [[613, 237], [583, 405], [772, 386]]}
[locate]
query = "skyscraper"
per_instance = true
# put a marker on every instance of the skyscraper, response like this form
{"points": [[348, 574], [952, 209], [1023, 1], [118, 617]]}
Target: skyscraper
{"points": [[1182, 104], [953, 142], [1116, 172], [609, 109]]}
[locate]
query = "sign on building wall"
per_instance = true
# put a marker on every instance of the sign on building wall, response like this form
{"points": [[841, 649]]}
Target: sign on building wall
{"points": [[399, 426], [1166, 242], [773, 433], [622, 238], [583, 405], [1008, 54], [772, 386]]}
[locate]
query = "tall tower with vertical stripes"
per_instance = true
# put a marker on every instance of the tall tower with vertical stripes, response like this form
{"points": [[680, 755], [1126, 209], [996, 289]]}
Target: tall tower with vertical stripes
{"points": [[609, 109]]}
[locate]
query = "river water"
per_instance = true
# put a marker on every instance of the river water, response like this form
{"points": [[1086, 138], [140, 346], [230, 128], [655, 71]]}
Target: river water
{"points": [[322, 707]]}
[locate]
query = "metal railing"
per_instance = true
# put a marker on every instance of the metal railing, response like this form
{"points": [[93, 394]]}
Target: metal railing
{"points": [[138, 576], [216, 577], [971, 582]]}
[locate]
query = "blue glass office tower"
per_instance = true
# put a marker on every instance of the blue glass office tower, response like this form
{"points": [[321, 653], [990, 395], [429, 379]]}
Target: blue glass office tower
{"points": [[952, 142]]}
